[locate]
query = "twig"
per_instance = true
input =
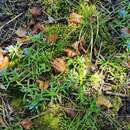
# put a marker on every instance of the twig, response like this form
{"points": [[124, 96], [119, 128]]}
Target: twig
{"points": [[116, 94], [10, 21]]}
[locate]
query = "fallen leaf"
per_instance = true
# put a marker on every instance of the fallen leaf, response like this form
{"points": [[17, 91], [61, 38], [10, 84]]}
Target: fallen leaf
{"points": [[59, 65], [52, 38], [70, 53], [78, 45], [125, 30], [71, 112], [103, 101], [128, 64], [1, 57], [91, 19], [26, 124], [23, 40], [36, 11], [43, 84], [38, 28], [75, 18], [2, 123], [4, 63], [21, 32]]}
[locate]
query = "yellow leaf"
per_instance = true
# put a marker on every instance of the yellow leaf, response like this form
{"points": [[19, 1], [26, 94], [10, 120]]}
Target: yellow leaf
{"points": [[103, 101]]}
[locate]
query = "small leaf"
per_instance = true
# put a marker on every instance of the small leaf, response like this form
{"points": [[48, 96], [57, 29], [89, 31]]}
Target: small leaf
{"points": [[75, 18], [23, 40], [52, 38], [26, 124], [103, 101], [78, 45], [38, 28], [21, 32], [59, 65], [71, 112], [4, 63], [36, 11], [1, 57], [125, 30], [70, 53], [43, 84]]}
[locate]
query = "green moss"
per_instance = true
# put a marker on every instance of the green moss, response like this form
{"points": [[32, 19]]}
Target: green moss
{"points": [[17, 104], [51, 119]]}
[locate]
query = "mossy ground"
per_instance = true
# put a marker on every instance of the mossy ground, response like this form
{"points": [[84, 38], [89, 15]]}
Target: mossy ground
{"points": [[103, 67]]}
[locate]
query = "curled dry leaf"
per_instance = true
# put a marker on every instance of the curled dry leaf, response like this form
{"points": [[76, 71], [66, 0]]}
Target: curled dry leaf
{"points": [[103, 101], [59, 65], [70, 53], [78, 45], [52, 38], [36, 11], [75, 18], [38, 28], [21, 32], [26, 124], [43, 84]]}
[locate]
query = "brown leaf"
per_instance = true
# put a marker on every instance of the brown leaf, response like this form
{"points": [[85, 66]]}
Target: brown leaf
{"points": [[2, 123], [70, 53], [4, 63], [59, 65], [78, 45], [26, 124], [128, 64], [125, 30], [71, 112], [21, 32], [1, 57], [38, 28], [43, 84], [52, 38], [36, 11], [103, 101], [75, 18]]}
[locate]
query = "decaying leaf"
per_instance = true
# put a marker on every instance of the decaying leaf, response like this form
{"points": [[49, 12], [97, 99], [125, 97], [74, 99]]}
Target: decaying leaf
{"points": [[26, 124], [23, 40], [70, 53], [78, 45], [125, 30], [21, 32], [38, 28], [75, 18], [103, 101], [36, 11], [4, 63], [71, 112], [59, 65], [52, 38], [43, 84]]}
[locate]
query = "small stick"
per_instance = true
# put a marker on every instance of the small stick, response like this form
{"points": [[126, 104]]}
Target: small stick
{"points": [[116, 94], [10, 21]]}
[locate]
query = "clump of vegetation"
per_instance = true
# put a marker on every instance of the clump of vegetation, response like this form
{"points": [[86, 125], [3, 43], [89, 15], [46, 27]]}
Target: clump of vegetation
{"points": [[67, 72]]}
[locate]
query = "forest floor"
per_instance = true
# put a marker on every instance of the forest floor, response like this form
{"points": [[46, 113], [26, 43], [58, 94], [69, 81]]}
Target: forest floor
{"points": [[64, 65]]}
